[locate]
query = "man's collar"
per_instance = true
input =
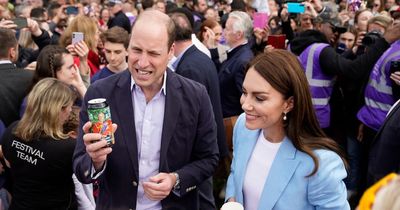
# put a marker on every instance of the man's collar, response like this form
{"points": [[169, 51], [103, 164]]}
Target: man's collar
{"points": [[5, 62], [178, 58]]}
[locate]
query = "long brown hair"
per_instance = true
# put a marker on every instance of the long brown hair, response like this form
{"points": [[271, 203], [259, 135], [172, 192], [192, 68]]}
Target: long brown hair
{"points": [[284, 72], [42, 115]]}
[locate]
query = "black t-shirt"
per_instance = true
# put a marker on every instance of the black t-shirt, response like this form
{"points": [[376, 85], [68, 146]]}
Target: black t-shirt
{"points": [[41, 171]]}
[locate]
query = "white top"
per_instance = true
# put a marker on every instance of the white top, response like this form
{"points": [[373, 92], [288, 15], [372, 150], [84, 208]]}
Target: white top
{"points": [[200, 46], [257, 171]]}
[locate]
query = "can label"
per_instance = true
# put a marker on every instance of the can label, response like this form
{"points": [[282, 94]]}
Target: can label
{"points": [[101, 123]]}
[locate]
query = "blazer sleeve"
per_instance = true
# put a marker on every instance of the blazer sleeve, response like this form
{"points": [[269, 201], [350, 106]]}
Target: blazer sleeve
{"points": [[82, 162], [230, 186], [205, 151], [326, 189]]}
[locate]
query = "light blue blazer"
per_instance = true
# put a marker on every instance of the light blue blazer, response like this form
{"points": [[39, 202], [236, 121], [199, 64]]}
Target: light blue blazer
{"points": [[287, 187]]}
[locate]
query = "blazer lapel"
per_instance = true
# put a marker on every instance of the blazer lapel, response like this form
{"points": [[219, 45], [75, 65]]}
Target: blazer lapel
{"points": [[281, 171], [248, 141], [172, 109], [123, 96]]}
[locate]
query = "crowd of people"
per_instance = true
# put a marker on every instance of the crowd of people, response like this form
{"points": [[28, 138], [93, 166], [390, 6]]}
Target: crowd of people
{"points": [[314, 96]]}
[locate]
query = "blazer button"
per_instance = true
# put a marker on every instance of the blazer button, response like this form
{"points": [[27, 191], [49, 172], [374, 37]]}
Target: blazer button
{"points": [[134, 184]]}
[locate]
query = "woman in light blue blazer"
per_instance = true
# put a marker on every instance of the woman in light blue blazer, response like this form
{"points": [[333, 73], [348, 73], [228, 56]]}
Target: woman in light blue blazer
{"points": [[282, 160]]}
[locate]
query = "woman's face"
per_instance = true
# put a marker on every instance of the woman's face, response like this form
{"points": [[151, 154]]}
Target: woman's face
{"points": [[376, 5], [67, 72], [105, 15], [306, 22], [264, 106], [362, 20], [218, 33], [64, 114]]}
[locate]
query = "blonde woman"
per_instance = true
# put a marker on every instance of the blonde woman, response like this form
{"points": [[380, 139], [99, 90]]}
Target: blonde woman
{"points": [[39, 153], [85, 50]]}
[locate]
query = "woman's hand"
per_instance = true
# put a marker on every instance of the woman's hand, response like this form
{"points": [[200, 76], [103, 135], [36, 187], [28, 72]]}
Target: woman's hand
{"points": [[9, 24], [309, 9], [395, 76], [77, 82], [209, 39], [81, 50], [261, 34]]}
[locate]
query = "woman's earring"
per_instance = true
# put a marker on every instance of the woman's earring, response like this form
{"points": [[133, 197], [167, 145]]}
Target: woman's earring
{"points": [[284, 116]]}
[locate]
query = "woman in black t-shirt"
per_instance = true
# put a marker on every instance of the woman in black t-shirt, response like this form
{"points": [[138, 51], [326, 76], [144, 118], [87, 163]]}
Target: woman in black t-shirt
{"points": [[38, 152]]}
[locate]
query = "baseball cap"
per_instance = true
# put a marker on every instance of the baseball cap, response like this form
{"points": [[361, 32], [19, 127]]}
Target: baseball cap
{"points": [[114, 2], [328, 16]]}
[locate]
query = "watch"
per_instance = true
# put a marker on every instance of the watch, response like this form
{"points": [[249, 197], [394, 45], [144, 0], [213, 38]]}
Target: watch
{"points": [[177, 182]]}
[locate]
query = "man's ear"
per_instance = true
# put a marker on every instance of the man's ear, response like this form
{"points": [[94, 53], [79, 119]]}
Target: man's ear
{"points": [[13, 53], [171, 51]]}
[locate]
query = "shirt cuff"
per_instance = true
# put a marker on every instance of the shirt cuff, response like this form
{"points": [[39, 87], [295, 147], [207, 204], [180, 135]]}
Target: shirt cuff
{"points": [[97, 174]]}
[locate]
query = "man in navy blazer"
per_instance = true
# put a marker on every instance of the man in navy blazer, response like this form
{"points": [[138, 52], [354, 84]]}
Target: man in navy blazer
{"points": [[157, 161], [193, 64], [238, 30]]}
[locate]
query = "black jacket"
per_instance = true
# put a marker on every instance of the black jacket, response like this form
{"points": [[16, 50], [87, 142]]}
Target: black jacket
{"points": [[14, 84], [120, 20], [332, 63]]}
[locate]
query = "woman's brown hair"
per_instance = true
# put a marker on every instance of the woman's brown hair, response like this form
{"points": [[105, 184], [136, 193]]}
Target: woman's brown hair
{"points": [[284, 72]]}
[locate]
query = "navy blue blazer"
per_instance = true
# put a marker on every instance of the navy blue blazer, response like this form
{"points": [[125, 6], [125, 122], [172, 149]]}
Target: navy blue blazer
{"points": [[385, 148], [188, 144], [231, 76], [199, 67]]}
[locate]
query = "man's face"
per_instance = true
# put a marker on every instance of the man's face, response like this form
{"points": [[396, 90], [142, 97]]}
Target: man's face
{"points": [[376, 27], [115, 8], [201, 7], [160, 7], [329, 31], [115, 55], [229, 33], [149, 54]]}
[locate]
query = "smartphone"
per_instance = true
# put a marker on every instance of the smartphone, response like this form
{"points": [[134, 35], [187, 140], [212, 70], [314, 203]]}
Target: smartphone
{"points": [[277, 41], [294, 7], [21, 22], [71, 10], [260, 20], [77, 37], [394, 66]]}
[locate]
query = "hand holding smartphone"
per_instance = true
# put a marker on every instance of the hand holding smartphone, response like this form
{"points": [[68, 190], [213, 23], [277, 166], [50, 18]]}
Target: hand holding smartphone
{"points": [[77, 37], [394, 66]]}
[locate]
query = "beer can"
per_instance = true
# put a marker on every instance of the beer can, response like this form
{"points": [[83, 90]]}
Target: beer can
{"points": [[100, 117]]}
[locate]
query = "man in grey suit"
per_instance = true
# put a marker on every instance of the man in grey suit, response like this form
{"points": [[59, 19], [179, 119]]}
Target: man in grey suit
{"points": [[165, 144]]}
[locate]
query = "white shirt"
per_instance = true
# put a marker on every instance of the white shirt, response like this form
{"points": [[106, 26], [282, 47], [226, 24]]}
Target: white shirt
{"points": [[257, 171], [200, 46], [149, 118]]}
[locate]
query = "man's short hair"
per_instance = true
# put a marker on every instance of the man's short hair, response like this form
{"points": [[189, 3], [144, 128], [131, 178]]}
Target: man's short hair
{"points": [[169, 24], [116, 35], [182, 27], [8, 40], [242, 23], [147, 4]]}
